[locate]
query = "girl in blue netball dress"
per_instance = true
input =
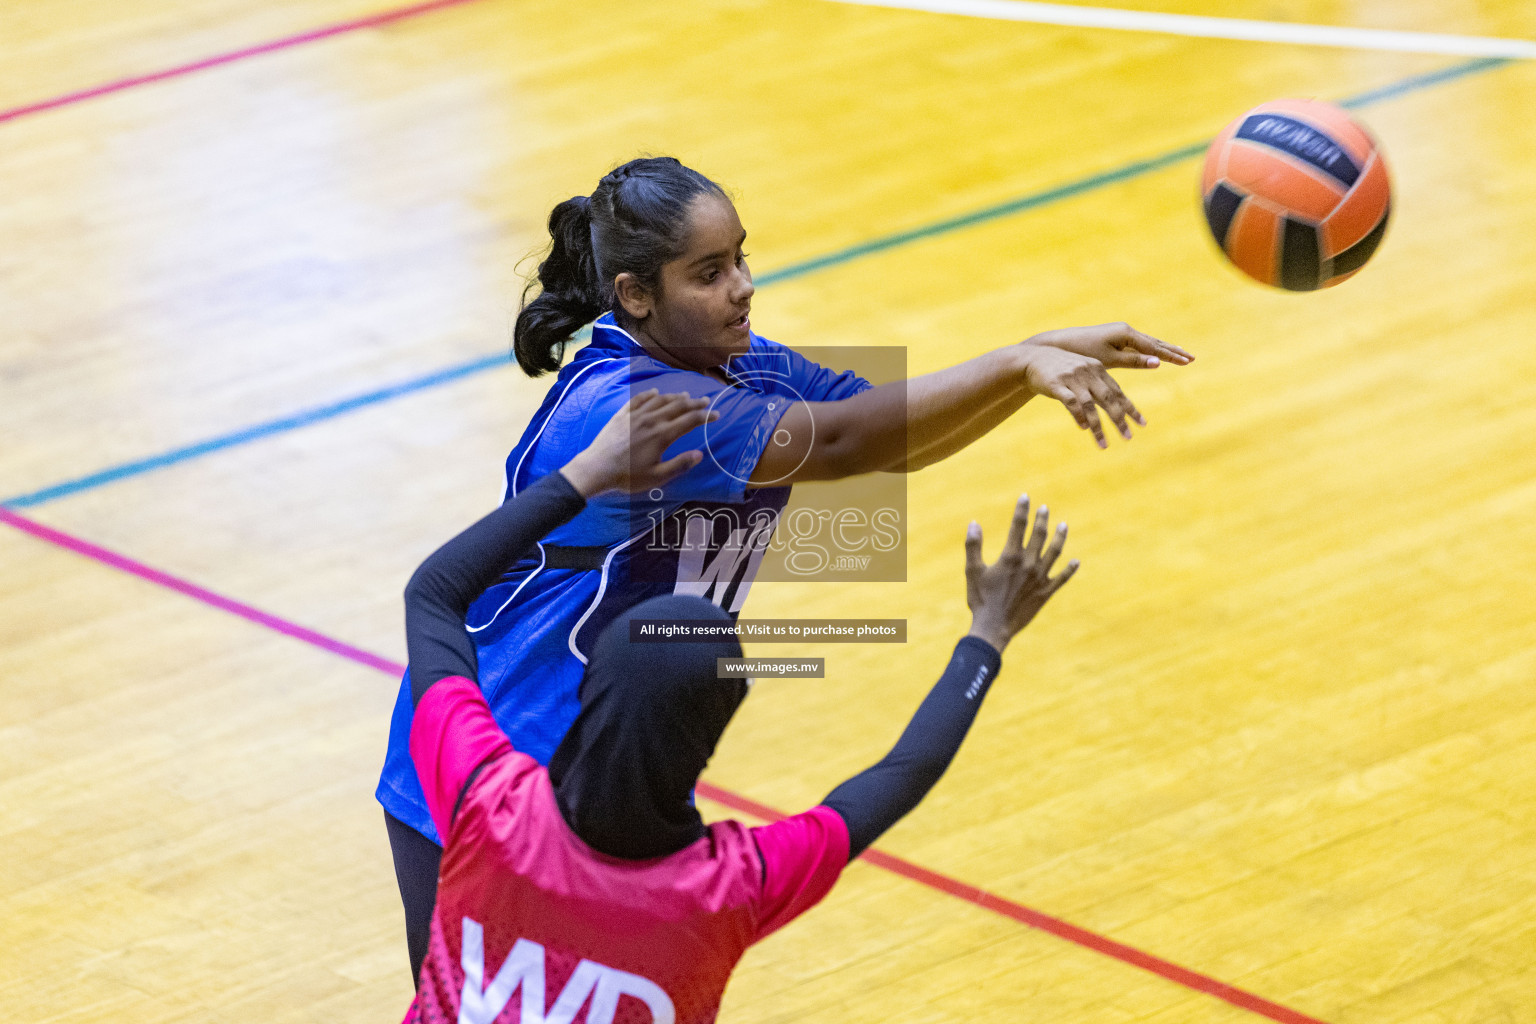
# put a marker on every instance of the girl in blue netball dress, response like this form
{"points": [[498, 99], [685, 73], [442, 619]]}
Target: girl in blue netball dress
{"points": [[654, 257]]}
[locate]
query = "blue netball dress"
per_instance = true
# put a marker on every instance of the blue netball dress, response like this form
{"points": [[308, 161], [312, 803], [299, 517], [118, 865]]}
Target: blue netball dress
{"points": [[704, 533]]}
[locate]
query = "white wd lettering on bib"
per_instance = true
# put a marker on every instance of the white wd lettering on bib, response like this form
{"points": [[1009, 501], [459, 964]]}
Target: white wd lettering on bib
{"points": [[736, 561], [480, 1004]]}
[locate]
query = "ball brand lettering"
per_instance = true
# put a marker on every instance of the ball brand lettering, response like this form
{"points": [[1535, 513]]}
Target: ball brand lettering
{"points": [[524, 968], [1295, 136], [1302, 141]]}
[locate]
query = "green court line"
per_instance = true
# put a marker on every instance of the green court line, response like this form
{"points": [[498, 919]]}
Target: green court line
{"points": [[1100, 180]]}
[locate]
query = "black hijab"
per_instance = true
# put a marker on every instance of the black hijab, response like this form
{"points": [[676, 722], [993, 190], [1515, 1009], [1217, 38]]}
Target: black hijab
{"points": [[651, 714]]}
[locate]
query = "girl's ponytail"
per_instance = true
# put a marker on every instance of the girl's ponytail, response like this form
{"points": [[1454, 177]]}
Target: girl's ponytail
{"points": [[637, 221], [570, 294]]}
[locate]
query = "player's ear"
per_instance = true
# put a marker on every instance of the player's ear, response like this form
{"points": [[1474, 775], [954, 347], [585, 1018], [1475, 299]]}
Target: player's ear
{"points": [[632, 295]]}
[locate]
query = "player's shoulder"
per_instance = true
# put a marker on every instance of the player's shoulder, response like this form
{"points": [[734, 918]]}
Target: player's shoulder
{"points": [[509, 784], [812, 833], [728, 835], [613, 365], [770, 365], [766, 350], [724, 866]]}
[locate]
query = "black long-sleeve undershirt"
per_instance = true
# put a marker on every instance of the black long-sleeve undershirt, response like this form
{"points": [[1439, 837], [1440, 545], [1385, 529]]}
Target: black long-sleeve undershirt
{"points": [[878, 797], [441, 590]]}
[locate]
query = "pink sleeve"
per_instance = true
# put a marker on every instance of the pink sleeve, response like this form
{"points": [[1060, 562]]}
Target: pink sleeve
{"points": [[803, 856], [452, 734]]}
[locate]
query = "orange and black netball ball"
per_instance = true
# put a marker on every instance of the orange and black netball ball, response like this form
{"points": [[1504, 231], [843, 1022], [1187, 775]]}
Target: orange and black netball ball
{"points": [[1296, 194]]}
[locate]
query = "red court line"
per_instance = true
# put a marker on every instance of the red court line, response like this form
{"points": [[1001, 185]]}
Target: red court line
{"points": [[341, 28], [1035, 919], [896, 865]]}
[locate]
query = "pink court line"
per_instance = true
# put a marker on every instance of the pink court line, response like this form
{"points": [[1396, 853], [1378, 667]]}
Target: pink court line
{"points": [[197, 593], [368, 21], [896, 865]]}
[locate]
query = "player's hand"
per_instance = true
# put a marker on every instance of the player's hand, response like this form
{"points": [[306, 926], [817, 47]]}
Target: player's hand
{"points": [[626, 454], [1006, 595], [1117, 346], [1083, 385], [1072, 366]]}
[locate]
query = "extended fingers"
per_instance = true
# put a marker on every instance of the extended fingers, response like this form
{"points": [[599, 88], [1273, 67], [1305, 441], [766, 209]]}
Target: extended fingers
{"points": [[645, 400], [1061, 580], [692, 413], [1137, 350], [1015, 541], [664, 411], [973, 562], [672, 404], [675, 466], [1053, 550], [1155, 347], [1161, 349], [1037, 538], [1129, 359], [1123, 402], [1087, 415], [1108, 395], [685, 421], [1067, 397], [1079, 403], [650, 406]]}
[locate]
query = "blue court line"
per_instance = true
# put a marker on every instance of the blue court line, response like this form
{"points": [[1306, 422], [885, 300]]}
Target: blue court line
{"points": [[267, 429], [1021, 204]]}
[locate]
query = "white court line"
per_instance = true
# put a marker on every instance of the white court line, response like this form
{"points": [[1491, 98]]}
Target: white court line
{"points": [[1220, 28]]}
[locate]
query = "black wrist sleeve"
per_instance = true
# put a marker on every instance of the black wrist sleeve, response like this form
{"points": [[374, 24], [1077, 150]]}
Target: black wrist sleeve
{"points": [[443, 587], [878, 797]]}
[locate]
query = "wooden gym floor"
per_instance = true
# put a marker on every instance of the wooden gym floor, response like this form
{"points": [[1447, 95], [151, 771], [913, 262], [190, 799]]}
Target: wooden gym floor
{"points": [[1279, 735]]}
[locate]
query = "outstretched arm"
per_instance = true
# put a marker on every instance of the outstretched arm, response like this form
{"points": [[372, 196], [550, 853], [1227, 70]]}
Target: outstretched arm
{"points": [[1116, 346], [906, 425], [982, 422], [625, 455], [1003, 598], [881, 795]]}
